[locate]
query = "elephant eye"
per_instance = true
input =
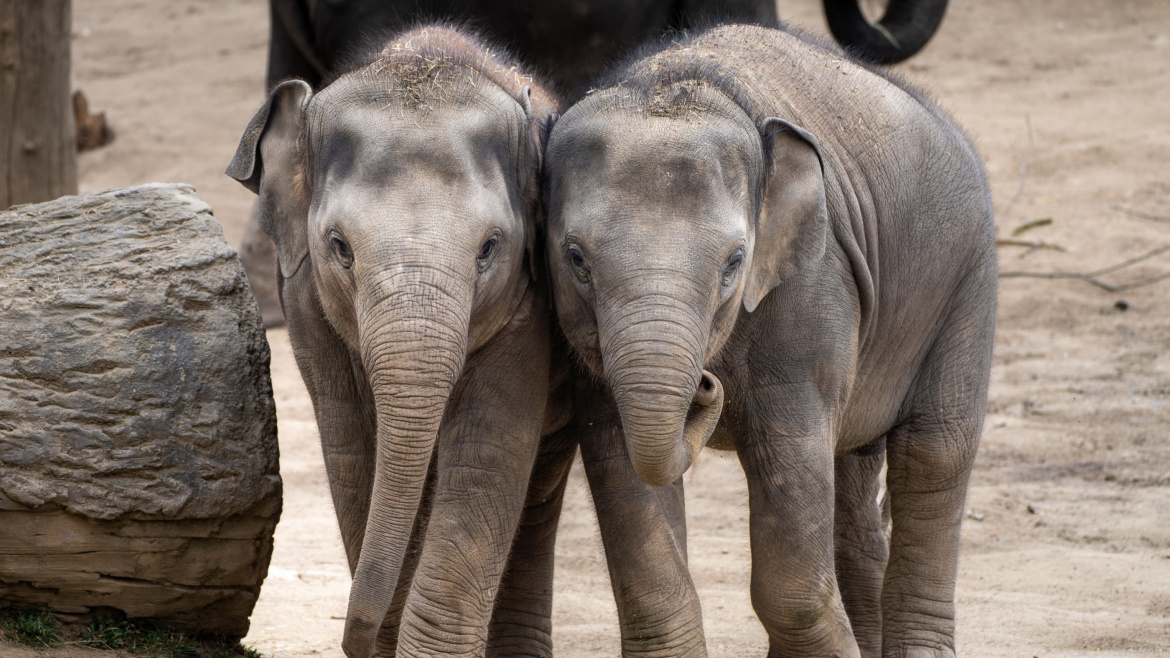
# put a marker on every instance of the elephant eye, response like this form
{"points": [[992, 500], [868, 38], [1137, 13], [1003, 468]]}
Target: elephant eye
{"points": [[344, 253], [732, 267], [577, 260], [486, 249], [485, 252]]}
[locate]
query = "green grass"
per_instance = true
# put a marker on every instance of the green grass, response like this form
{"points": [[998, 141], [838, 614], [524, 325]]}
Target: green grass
{"points": [[40, 629], [35, 628], [155, 641], [143, 639]]}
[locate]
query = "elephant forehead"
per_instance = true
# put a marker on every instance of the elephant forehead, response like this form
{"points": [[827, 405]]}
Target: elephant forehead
{"points": [[357, 124], [655, 160], [659, 165], [471, 147]]}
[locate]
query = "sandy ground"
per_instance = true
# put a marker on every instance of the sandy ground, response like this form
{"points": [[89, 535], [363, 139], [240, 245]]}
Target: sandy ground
{"points": [[1067, 548]]}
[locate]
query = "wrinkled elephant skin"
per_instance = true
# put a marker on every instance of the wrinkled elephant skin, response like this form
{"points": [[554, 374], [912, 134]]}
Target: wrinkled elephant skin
{"points": [[571, 41], [402, 201], [747, 208]]}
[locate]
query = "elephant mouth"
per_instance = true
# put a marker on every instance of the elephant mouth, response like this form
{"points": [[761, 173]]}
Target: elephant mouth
{"points": [[709, 392], [703, 414]]}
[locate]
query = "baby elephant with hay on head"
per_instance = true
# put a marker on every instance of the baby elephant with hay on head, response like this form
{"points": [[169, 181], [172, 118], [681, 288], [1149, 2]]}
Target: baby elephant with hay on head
{"points": [[757, 244], [402, 199]]}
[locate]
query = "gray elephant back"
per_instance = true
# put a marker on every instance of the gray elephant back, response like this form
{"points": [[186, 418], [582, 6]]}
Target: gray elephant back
{"points": [[907, 199], [893, 161]]}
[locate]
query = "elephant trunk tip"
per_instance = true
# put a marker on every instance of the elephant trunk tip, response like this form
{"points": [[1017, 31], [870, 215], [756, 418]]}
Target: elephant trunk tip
{"points": [[703, 416], [659, 462], [358, 641], [710, 390]]}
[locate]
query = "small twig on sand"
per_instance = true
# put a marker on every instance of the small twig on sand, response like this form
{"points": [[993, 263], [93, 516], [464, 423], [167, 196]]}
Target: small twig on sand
{"points": [[1138, 213], [1094, 276], [1023, 172], [1032, 245], [1027, 226]]}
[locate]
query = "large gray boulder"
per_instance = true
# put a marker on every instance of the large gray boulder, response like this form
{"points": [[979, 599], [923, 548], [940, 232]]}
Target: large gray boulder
{"points": [[138, 454]]}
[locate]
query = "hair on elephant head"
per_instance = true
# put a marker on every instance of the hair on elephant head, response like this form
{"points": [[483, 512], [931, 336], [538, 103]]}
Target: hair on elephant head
{"points": [[403, 204]]}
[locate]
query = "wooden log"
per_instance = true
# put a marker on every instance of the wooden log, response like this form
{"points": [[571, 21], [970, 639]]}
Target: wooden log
{"points": [[138, 455], [38, 156]]}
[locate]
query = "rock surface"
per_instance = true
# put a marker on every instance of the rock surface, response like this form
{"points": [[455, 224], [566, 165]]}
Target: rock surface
{"points": [[138, 454]]}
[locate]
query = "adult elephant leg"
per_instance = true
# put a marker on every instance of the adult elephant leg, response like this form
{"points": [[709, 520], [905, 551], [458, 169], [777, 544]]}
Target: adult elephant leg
{"points": [[258, 256], [860, 547], [643, 529], [522, 620], [791, 500], [760, 12], [292, 51], [930, 459], [904, 29], [485, 454]]}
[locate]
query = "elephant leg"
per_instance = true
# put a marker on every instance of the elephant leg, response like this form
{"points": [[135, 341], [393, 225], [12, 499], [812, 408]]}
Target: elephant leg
{"points": [[930, 457], [343, 405], [522, 620], [292, 50], [258, 256], [791, 501], [928, 472], [860, 545], [693, 13], [643, 529]]}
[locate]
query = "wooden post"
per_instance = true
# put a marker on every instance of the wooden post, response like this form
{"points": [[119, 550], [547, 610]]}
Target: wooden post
{"points": [[38, 156]]}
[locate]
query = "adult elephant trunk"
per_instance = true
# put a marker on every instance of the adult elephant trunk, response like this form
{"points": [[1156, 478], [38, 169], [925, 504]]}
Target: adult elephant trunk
{"points": [[413, 357], [669, 405], [902, 31]]}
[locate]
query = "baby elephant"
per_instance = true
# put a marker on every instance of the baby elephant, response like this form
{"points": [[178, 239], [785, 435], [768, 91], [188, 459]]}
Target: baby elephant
{"points": [[756, 243], [402, 200]]}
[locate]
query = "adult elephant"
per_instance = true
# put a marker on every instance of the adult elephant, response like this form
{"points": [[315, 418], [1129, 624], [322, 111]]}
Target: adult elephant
{"points": [[903, 29], [570, 41]]}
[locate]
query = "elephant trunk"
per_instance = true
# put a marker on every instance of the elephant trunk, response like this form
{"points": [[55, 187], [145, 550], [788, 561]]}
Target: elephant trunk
{"points": [[669, 405], [413, 357]]}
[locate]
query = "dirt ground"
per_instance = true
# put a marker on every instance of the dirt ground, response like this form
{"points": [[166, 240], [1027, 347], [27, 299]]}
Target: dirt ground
{"points": [[1066, 550]]}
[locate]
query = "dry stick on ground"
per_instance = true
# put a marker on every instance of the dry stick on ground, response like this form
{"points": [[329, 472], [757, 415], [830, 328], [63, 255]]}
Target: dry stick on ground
{"points": [[1028, 226], [1032, 245], [1094, 276], [1138, 213]]}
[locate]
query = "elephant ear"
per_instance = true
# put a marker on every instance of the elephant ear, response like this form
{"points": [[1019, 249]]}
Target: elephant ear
{"points": [[793, 223], [270, 162], [529, 164]]}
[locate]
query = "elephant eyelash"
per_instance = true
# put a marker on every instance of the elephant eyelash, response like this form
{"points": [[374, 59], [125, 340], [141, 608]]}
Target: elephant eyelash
{"points": [[731, 268], [343, 251], [484, 257], [577, 260], [486, 249]]}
